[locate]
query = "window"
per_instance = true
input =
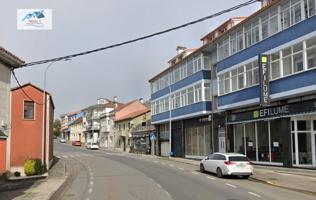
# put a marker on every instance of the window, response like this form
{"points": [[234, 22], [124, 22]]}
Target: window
{"points": [[241, 78], [240, 40], [310, 7], [275, 66], [291, 13], [311, 52], [273, 22], [249, 75], [190, 67], [227, 82], [197, 93], [207, 91], [298, 57], [265, 27], [234, 79], [190, 96], [287, 61], [29, 110], [184, 100]]}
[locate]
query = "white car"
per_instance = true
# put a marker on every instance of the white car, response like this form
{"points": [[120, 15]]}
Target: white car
{"points": [[62, 140], [223, 164], [94, 146]]}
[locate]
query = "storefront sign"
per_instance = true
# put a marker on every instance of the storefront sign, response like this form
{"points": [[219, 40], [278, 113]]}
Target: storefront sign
{"points": [[275, 111], [264, 80]]}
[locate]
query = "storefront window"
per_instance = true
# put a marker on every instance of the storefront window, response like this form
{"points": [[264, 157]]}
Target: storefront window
{"points": [[276, 145], [250, 141], [239, 138], [305, 148], [263, 141], [198, 141]]}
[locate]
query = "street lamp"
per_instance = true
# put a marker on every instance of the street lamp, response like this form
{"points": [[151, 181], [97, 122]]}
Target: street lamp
{"points": [[44, 105]]}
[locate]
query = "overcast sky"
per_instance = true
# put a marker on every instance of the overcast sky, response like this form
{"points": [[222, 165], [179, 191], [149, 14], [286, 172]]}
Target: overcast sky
{"points": [[80, 25]]}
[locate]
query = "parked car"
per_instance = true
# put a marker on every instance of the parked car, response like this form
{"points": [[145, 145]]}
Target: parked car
{"points": [[62, 140], [76, 143], [223, 164], [88, 145], [94, 146]]}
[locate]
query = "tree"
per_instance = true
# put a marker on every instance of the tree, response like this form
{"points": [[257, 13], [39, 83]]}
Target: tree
{"points": [[57, 127]]}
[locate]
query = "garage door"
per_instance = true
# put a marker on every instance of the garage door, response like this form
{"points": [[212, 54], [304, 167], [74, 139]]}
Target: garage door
{"points": [[164, 148]]}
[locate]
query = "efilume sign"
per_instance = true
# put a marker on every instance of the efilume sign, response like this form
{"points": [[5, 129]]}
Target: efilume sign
{"points": [[264, 80]]}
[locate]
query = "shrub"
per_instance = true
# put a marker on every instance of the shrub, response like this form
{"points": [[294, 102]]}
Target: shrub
{"points": [[33, 167], [17, 174]]}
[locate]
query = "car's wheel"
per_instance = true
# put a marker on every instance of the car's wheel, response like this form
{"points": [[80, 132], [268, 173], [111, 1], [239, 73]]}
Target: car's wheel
{"points": [[202, 169], [219, 172], [245, 177]]}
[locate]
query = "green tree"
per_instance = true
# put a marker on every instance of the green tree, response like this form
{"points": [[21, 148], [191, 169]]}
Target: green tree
{"points": [[57, 127]]}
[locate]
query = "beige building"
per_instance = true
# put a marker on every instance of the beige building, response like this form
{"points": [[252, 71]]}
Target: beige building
{"points": [[124, 122], [76, 130]]}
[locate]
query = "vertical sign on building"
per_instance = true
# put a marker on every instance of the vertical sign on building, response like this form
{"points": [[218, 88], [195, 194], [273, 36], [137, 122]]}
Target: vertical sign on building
{"points": [[264, 80]]}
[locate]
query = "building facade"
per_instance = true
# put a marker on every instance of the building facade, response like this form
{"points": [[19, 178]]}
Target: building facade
{"points": [[66, 120], [8, 61], [28, 141], [181, 95], [266, 67], [124, 122], [76, 130]]}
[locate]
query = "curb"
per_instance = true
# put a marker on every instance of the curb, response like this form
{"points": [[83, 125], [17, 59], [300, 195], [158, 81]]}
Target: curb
{"points": [[284, 187], [63, 187]]}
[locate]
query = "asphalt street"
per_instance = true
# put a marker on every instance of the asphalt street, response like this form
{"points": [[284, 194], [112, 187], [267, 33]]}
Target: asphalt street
{"points": [[98, 175]]}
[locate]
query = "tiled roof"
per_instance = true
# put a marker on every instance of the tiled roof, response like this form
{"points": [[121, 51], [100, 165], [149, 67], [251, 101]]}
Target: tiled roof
{"points": [[133, 114]]}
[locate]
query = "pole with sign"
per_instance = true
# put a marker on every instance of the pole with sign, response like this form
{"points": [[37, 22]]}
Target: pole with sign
{"points": [[264, 80]]}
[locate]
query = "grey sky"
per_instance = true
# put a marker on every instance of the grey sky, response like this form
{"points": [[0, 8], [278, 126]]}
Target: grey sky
{"points": [[80, 25]]}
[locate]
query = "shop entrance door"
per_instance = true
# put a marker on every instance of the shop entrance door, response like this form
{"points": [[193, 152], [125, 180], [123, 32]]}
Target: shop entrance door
{"points": [[221, 140], [304, 141]]}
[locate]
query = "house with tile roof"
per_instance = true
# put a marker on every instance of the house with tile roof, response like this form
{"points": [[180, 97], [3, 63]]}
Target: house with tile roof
{"points": [[124, 122]]}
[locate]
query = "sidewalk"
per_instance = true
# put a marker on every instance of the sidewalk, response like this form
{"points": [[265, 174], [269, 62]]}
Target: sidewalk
{"points": [[41, 189], [302, 180]]}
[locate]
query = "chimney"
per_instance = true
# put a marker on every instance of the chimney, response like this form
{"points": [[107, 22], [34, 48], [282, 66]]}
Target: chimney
{"points": [[115, 101], [180, 49]]}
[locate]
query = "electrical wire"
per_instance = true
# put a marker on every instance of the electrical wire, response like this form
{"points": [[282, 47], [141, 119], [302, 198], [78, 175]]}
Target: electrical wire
{"points": [[24, 92], [140, 38]]}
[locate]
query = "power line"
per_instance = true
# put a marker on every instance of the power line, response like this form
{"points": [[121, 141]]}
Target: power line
{"points": [[141, 38], [24, 92]]}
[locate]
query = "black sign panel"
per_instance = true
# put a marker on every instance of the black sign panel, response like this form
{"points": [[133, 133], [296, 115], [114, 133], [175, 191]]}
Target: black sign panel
{"points": [[263, 61], [275, 111]]}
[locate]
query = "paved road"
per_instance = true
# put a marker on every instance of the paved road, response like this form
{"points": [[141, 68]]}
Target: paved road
{"points": [[114, 176]]}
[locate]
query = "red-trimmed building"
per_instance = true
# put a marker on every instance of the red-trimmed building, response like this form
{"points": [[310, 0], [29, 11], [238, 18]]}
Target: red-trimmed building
{"points": [[27, 124]]}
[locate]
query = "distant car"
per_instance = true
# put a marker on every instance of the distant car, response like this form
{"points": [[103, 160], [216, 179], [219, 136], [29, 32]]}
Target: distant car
{"points": [[223, 164], [62, 140], [76, 143], [94, 146]]}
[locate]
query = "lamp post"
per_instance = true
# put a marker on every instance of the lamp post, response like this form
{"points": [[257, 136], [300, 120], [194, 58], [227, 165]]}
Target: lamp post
{"points": [[44, 106]]}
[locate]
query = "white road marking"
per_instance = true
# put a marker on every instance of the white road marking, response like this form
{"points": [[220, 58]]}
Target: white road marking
{"points": [[210, 177], [163, 163], [158, 185], [180, 168], [91, 182], [90, 190], [194, 173], [64, 156], [171, 165], [254, 194], [87, 199], [91, 177], [230, 185]]}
